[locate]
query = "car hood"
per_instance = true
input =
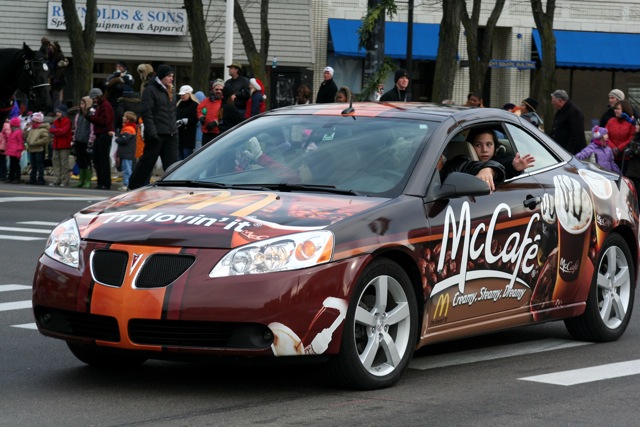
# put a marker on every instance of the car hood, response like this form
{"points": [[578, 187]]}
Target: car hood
{"points": [[213, 218]]}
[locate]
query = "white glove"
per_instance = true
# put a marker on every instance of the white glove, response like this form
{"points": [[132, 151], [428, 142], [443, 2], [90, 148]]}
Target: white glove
{"points": [[182, 122], [254, 150]]}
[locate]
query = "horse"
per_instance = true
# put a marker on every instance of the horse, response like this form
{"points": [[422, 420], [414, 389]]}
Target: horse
{"points": [[28, 71]]}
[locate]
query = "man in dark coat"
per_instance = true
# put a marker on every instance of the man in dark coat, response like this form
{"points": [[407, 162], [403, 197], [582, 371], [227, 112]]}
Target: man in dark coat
{"points": [[239, 86], [568, 123], [160, 128], [328, 88], [399, 91]]}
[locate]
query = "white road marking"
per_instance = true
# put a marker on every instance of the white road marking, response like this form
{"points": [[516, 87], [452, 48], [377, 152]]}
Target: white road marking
{"points": [[17, 305], [11, 287], [45, 223], [586, 375], [26, 326], [23, 238], [483, 354], [27, 230]]}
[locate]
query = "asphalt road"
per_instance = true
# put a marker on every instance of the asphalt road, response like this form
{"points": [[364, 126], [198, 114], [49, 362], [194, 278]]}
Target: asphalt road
{"points": [[521, 377]]}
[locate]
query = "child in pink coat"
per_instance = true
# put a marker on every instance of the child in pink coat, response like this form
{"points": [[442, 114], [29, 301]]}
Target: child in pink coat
{"points": [[15, 147]]}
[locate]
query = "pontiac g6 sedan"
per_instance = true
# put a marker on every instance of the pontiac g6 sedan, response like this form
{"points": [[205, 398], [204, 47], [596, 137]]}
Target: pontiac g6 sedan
{"points": [[349, 235]]}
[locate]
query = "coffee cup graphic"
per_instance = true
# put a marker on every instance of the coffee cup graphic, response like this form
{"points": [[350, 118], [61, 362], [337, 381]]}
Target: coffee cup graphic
{"points": [[548, 228], [601, 191], [574, 211]]}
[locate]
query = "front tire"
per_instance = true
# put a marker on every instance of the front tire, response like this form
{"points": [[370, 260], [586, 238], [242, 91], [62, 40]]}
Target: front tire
{"points": [[380, 330], [610, 300]]}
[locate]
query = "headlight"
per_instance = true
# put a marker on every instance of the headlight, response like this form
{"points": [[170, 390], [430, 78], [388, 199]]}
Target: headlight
{"points": [[279, 254], [64, 243]]}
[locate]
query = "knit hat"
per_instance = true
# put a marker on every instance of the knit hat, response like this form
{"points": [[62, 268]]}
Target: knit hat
{"points": [[329, 69], [15, 122], [122, 64], [400, 73], [95, 92], [185, 89], [531, 103], [163, 71], [37, 117], [618, 94], [598, 133], [63, 109], [217, 82]]}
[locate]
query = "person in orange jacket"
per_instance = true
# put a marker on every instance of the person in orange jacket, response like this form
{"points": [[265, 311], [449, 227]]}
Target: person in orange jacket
{"points": [[208, 112]]}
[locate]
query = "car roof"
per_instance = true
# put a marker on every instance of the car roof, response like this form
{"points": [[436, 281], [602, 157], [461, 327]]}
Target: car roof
{"points": [[410, 110]]}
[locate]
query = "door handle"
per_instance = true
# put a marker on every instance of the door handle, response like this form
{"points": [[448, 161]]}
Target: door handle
{"points": [[531, 202]]}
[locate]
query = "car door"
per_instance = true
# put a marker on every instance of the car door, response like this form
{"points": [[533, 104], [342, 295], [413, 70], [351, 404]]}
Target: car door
{"points": [[569, 239], [484, 254]]}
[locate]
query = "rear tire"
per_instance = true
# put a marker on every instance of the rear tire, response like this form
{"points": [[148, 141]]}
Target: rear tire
{"points": [[380, 330], [104, 357], [610, 300]]}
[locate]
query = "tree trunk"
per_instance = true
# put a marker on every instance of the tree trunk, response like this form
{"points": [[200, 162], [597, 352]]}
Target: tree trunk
{"points": [[479, 60], [201, 49], [446, 61], [82, 44], [374, 55], [257, 59], [544, 22]]}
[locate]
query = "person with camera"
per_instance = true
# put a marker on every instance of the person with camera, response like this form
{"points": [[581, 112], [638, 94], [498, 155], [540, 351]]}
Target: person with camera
{"points": [[101, 115], [116, 83]]}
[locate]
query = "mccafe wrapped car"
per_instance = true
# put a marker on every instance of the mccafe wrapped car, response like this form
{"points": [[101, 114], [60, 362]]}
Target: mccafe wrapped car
{"points": [[353, 235]]}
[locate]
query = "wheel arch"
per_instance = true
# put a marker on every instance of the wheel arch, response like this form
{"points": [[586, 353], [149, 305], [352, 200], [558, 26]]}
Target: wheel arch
{"points": [[408, 264], [627, 234]]}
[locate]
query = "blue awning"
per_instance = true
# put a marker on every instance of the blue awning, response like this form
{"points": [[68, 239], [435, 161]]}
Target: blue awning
{"points": [[344, 33], [586, 49]]}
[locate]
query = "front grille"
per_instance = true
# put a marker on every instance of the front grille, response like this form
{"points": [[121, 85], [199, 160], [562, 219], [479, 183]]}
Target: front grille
{"points": [[82, 325], [162, 269], [199, 334], [109, 267]]}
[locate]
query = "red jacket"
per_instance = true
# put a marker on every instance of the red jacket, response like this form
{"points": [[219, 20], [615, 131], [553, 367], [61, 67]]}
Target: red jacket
{"points": [[61, 131], [621, 133]]}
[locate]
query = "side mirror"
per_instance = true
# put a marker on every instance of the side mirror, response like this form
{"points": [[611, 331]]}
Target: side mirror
{"points": [[458, 184]]}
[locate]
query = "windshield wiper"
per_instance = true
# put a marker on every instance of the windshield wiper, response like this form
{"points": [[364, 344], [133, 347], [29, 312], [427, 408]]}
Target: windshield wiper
{"points": [[190, 183], [305, 187]]}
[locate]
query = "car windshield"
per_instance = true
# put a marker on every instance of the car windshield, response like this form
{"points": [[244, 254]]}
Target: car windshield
{"points": [[365, 156]]}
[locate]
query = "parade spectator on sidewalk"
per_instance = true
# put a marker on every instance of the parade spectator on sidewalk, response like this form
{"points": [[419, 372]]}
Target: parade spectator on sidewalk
{"points": [[398, 92], [62, 135], [187, 121], [160, 129], [83, 141], [14, 149], [208, 111], [568, 123], [239, 85], [328, 88], [101, 115], [38, 137]]}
